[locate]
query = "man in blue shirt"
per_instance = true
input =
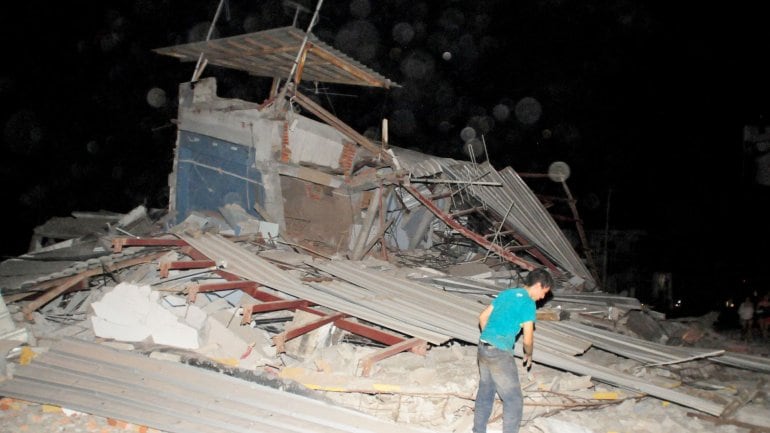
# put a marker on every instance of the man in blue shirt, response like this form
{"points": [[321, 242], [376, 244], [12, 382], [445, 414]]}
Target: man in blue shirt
{"points": [[513, 310]]}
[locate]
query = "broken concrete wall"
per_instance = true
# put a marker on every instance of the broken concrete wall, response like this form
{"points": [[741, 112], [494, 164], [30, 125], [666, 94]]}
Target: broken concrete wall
{"points": [[224, 155], [281, 168], [287, 169], [317, 213]]}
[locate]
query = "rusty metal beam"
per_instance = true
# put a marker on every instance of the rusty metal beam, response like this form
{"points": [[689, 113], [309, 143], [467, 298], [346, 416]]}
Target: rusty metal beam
{"points": [[248, 310], [252, 289], [373, 334], [81, 278], [165, 267], [416, 345], [502, 233], [341, 126], [465, 212], [581, 232], [281, 339], [119, 243], [475, 237]]}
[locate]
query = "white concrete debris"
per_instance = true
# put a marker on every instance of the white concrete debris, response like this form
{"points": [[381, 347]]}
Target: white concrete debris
{"points": [[225, 340], [133, 313], [550, 425], [8, 330]]}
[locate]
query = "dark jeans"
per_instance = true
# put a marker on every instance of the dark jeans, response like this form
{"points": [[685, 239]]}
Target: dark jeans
{"points": [[498, 374]]}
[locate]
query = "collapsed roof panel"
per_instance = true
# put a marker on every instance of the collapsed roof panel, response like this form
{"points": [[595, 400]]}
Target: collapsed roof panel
{"points": [[176, 398], [247, 265], [272, 53], [403, 301], [521, 209]]}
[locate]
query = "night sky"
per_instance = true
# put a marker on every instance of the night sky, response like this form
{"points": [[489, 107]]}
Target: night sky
{"points": [[646, 102]]}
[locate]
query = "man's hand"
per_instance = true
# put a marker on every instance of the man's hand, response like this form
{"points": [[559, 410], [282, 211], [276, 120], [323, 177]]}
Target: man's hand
{"points": [[527, 361], [528, 347]]}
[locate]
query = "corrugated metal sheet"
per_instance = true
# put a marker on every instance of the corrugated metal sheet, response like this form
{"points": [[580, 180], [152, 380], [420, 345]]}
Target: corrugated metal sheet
{"points": [[432, 308], [656, 353], [421, 306], [20, 275], [608, 375], [601, 299], [527, 215], [271, 53], [410, 301], [418, 164], [173, 397], [247, 265]]}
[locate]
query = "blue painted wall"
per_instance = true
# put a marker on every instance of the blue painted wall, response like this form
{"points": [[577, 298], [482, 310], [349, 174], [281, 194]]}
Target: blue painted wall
{"points": [[211, 173]]}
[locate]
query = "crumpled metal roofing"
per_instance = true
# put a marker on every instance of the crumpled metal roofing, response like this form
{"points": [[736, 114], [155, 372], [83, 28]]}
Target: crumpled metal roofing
{"points": [[174, 397], [248, 265], [409, 301], [433, 310], [527, 214], [419, 164], [271, 53]]}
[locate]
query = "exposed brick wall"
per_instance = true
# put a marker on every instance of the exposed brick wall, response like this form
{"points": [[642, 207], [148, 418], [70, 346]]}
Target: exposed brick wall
{"points": [[348, 157], [285, 149]]}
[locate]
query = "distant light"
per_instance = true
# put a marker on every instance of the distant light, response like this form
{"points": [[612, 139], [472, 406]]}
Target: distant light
{"points": [[447, 56]]}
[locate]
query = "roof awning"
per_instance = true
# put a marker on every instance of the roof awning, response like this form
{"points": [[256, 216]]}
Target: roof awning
{"points": [[271, 53]]}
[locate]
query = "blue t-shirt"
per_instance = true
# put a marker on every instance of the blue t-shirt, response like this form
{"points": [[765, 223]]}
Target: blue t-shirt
{"points": [[511, 308]]}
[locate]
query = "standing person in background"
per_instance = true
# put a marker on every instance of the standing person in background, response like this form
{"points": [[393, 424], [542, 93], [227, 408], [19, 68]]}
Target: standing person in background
{"points": [[511, 312], [746, 316], [763, 314]]}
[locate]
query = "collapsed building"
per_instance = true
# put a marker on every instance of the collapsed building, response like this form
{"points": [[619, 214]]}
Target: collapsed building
{"points": [[287, 206], [327, 186]]}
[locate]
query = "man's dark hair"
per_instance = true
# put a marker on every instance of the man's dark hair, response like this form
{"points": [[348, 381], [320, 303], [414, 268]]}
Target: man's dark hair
{"points": [[541, 276]]}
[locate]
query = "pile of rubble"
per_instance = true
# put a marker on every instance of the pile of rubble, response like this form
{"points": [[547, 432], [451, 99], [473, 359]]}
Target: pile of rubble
{"points": [[196, 328]]}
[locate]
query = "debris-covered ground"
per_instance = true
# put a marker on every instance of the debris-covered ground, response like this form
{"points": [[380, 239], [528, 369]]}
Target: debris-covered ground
{"points": [[436, 392], [150, 309]]}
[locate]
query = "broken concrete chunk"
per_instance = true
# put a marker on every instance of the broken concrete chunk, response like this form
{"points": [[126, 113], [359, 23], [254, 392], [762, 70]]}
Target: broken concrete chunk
{"points": [[645, 326], [552, 425], [244, 223], [133, 313], [198, 222], [306, 344], [189, 314]]}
